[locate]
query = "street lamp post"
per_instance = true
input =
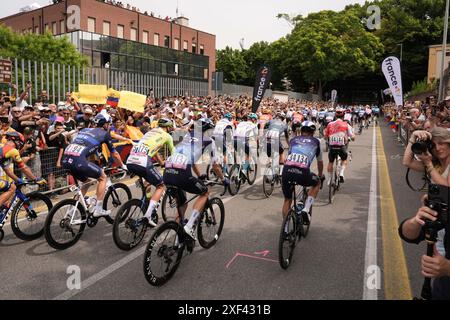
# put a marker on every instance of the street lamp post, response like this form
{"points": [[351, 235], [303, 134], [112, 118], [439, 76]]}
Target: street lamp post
{"points": [[401, 51], [444, 52]]}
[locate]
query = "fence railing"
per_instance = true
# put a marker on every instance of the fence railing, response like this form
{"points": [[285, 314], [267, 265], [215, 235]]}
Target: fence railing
{"points": [[235, 90], [58, 79]]}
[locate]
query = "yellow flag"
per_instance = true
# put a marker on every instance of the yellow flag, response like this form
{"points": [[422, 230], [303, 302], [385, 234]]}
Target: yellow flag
{"points": [[92, 94], [132, 101]]}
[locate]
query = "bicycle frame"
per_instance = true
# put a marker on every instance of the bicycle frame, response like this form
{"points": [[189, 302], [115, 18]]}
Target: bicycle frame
{"points": [[18, 196]]}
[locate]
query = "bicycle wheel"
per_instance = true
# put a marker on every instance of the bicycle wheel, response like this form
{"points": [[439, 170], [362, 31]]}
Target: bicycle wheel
{"points": [[115, 197], [169, 209], [235, 181], [251, 173], [28, 218], [128, 231], [211, 223], [210, 174], [288, 240], [163, 253], [268, 182], [65, 224]]}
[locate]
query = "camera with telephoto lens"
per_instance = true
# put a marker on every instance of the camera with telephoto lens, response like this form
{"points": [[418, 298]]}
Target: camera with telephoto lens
{"points": [[438, 199], [422, 146]]}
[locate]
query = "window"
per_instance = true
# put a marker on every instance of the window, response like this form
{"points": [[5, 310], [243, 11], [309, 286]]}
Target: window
{"points": [[91, 25], [205, 74], [30, 30], [120, 31], [46, 28], [156, 39], [106, 28], [145, 37], [202, 50], [133, 34], [54, 28], [194, 48], [185, 45], [36, 29], [62, 25], [166, 41], [176, 44]]}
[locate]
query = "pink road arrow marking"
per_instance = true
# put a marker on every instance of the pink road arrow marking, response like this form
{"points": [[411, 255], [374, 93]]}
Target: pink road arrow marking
{"points": [[265, 253]]}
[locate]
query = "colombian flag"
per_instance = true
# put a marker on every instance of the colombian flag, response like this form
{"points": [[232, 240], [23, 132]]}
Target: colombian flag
{"points": [[393, 123], [113, 98]]}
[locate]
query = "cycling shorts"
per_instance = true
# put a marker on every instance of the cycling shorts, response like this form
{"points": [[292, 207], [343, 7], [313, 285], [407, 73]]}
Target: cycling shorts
{"points": [[82, 169], [239, 142], [269, 148], [296, 176], [149, 173], [184, 182], [335, 151]]}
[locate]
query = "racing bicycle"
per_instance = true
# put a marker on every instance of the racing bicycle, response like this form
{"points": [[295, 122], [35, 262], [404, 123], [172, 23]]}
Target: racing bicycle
{"points": [[272, 178], [165, 249], [27, 213]]}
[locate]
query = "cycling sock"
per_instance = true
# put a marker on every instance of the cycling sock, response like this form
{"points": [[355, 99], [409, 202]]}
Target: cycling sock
{"points": [[192, 219], [150, 209], [99, 205], [308, 204], [342, 171]]}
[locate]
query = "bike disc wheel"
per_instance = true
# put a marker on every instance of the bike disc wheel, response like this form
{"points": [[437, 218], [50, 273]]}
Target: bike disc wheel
{"points": [[169, 208], [114, 198], [59, 232], [252, 173], [268, 182], [128, 232], [235, 181], [163, 254], [211, 223], [288, 239], [28, 219]]}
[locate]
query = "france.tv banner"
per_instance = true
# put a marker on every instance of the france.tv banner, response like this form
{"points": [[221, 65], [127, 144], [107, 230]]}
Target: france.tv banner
{"points": [[392, 71], [261, 84]]}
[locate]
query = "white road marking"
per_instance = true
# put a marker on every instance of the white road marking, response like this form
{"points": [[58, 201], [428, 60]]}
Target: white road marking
{"points": [[119, 264], [372, 220]]}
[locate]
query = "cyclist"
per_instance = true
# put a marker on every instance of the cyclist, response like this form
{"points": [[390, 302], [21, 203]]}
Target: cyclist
{"points": [[314, 115], [266, 116], [361, 118], [302, 151], [140, 162], [179, 167], [376, 113], [246, 133], [223, 131], [89, 142], [368, 115], [273, 133], [9, 153], [338, 134], [348, 116]]}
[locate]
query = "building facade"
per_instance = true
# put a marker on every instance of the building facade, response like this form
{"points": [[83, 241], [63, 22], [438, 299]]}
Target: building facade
{"points": [[434, 61], [125, 39]]}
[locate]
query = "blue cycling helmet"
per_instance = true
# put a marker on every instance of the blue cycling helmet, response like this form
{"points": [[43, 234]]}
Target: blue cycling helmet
{"points": [[228, 116], [308, 126], [101, 119], [253, 116]]}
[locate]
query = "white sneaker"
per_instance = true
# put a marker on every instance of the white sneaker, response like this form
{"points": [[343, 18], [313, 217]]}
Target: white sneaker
{"points": [[101, 213], [190, 232]]}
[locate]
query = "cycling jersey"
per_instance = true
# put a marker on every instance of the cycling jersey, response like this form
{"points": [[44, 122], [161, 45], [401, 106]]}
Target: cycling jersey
{"points": [[152, 142], [246, 129], [298, 117], [222, 126], [338, 133], [88, 142], [361, 113], [190, 150], [273, 132], [9, 154], [348, 117], [302, 151], [263, 119]]}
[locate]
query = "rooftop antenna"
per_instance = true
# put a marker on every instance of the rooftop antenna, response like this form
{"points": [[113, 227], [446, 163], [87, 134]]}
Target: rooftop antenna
{"points": [[177, 8], [241, 43]]}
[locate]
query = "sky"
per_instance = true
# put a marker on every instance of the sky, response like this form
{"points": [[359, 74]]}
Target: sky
{"points": [[229, 20]]}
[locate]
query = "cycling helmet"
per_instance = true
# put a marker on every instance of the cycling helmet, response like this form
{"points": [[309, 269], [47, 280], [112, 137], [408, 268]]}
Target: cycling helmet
{"points": [[165, 123], [17, 137], [206, 124], [101, 119], [228, 116], [308, 126], [281, 115], [339, 112], [253, 116]]}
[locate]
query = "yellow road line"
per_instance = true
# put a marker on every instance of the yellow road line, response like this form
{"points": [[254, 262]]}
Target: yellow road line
{"points": [[396, 277]]}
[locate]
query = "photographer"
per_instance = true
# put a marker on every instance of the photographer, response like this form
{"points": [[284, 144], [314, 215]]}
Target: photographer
{"points": [[434, 156], [438, 266]]}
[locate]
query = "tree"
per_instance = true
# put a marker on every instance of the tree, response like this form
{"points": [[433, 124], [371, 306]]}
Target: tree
{"points": [[231, 62], [45, 48], [329, 45]]}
